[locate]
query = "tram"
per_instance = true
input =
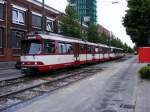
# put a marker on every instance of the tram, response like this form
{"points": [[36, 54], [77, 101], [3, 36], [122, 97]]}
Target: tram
{"points": [[44, 52]]}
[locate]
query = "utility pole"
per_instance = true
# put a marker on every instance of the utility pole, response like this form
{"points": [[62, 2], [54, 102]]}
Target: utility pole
{"points": [[81, 27], [43, 16]]}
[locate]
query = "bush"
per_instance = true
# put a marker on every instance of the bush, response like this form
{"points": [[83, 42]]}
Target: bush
{"points": [[145, 72]]}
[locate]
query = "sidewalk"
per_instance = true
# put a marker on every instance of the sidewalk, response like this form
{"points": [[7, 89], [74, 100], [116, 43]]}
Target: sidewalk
{"points": [[143, 97], [7, 65], [8, 71]]}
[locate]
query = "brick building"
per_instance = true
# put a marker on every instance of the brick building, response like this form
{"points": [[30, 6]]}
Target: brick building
{"points": [[18, 17], [102, 29]]}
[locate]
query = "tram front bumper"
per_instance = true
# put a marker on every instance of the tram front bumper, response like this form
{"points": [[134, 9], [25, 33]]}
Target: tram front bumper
{"points": [[29, 70]]}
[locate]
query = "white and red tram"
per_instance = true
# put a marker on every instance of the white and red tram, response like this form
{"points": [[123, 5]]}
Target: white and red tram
{"points": [[44, 52]]}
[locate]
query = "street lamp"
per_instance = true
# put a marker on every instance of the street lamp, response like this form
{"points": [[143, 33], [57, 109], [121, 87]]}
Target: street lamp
{"points": [[114, 2], [111, 2]]}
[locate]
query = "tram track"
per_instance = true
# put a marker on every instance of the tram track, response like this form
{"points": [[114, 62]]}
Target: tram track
{"points": [[8, 82], [24, 78], [16, 95]]}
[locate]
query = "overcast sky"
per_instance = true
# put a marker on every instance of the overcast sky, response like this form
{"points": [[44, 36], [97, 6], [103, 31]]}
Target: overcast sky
{"points": [[109, 15]]}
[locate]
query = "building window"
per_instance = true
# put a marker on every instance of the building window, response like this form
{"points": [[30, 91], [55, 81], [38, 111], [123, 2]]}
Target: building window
{"points": [[36, 21], [50, 25], [1, 38], [16, 39], [18, 16], [1, 11]]}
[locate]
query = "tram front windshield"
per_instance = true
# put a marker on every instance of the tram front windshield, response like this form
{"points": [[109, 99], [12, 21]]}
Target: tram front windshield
{"points": [[31, 47]]}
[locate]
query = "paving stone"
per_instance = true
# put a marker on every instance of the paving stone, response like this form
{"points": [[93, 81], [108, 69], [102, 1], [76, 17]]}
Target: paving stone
{"points": [[143, 97]]}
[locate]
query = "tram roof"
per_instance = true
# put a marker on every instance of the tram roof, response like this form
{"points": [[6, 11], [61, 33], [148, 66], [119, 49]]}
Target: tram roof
{"points": [[54, 36], [61, 38]]}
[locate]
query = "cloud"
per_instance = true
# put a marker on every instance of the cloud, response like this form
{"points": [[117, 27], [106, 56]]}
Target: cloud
{"points": [[56, 4], [111, 16]]}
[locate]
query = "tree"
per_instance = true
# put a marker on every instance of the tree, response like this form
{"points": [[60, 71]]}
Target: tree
{"points": [[137, 21], [92, 33], [69, 23], [103, 38]]}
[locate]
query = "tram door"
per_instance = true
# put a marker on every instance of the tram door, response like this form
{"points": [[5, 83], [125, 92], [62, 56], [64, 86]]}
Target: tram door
{"points": [[76, 53]]}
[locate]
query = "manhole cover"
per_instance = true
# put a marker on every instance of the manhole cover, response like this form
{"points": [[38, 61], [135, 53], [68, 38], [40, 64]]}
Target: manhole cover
{"points": [[127, 106]]}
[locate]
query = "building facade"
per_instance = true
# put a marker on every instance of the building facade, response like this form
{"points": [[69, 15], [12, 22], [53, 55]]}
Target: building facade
{"points": [[86, 8], [18, 17], [103, 30]]}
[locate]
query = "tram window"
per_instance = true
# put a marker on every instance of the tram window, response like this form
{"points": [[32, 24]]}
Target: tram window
{"points": [[109, 49], [62, 48], [31, 47], [81, 48], [93, 50], [49, 47], [105, 50], [100, 49], [69, 48], [96, 50], [89, 49]]}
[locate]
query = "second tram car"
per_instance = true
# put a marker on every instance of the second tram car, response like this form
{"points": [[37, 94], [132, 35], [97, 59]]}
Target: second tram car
{"points": [[44, 52]]}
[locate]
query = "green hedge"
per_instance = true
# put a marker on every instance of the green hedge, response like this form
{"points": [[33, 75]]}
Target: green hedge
{"points": [[145, 72]]}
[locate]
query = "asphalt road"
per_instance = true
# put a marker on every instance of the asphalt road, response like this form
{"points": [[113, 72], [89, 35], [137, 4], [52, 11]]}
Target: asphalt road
{"points": [[112, 90]]}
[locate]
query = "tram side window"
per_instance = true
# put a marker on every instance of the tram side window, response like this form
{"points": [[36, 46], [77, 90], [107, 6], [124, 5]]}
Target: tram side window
{"points": [[49, 47], [105, 50], [81, 48], [62, 48], [109, 50], [89, 49], [93, 50], [96, 50], [69, 48], [100, 49]]}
